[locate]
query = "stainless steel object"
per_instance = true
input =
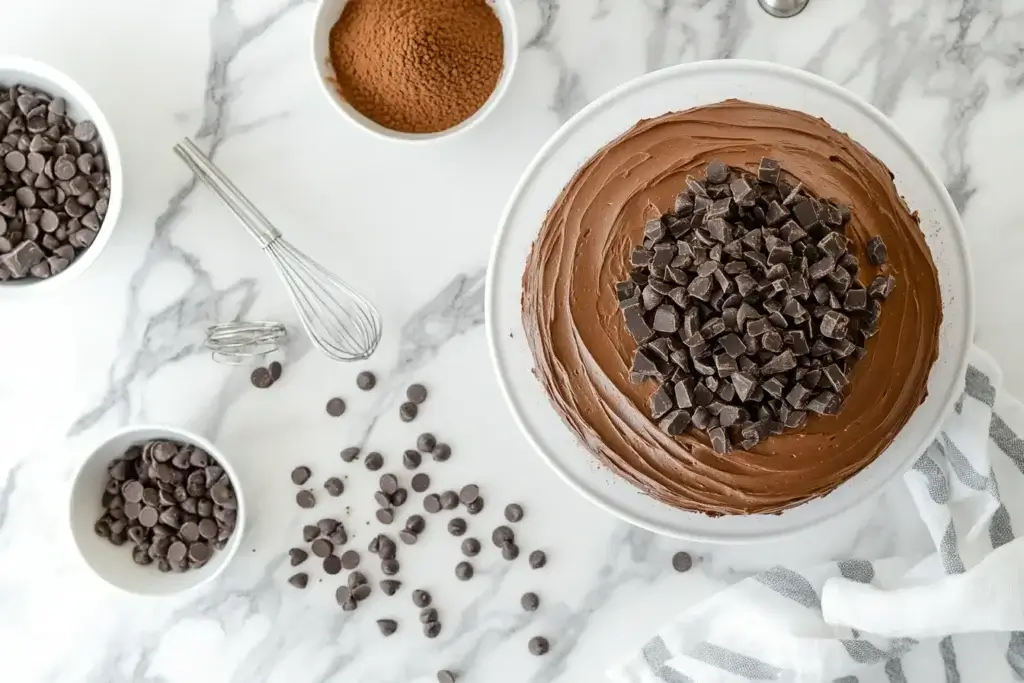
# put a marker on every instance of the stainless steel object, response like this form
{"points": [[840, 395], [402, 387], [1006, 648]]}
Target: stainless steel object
{"points": [[339, 321], [238, 342], [783, 8]]}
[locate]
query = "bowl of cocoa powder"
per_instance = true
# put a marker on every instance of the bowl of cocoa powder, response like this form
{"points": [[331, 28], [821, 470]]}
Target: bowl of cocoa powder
{"points": [[414, 70]]}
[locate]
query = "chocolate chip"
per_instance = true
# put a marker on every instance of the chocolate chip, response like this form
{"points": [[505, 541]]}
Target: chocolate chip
{"points": [[297, 556], [469, 493], [322, 547], [510, 551], [305, 499], [470, 547], [449, 500], [432, 503], [349, 559], [416, 524], [335, 407], [408, 537], [445, 676], [502, 535], [275, 370], [420, 482], [428, 615], [373, 461], [476, 506], [388, 483], [390, 586], [530, 602], [682, 562], [514, 512], [300, 475], [385, 516], [366, 380], [441, 452], [387, 626], [299, 580], [539, 645], [407, 411], [457, 526], [349, 454], [310, 532], [261, 378], [416, 393], [464, 571], [334, 486], [538, 559], [425, 442], [411, 459], [421, 598]]}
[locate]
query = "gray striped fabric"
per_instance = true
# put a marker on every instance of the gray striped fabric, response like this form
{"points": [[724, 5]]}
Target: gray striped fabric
{"points": [[770, 627]]}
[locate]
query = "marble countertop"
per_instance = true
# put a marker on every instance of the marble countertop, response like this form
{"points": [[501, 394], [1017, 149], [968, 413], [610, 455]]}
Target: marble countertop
{"points": [[411, 227]]}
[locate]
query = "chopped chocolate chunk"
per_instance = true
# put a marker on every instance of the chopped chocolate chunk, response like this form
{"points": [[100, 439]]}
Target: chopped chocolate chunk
{"points": [[675, 422], [881, 287], [834, 325], [768, 171], [877, 253], [660, 402]]}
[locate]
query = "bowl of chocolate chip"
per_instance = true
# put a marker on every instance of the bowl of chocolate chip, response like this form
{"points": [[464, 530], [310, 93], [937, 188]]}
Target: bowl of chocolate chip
{"points": [[156, 510], [60, 178], [729, 301]]}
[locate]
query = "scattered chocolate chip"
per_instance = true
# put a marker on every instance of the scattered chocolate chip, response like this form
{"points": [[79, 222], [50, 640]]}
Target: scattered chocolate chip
{"points": [[327, 526], [514, 512], [427, 615], [275, 370], [539, 645], [449, 500], [334, 486], [408, 537], [361, 592], [416, 393], [432, 503], [470, 547], [464, 571], [300, 475], [432, 630], [682, 562], [261, 378], [421, 598], [457, 526], [387, 626], [335, 407], [385, 516], [305, 499], [530, 602], [538, 558], [416, 524], [373, 461], [310, 532], [510, 551], [420, 482], [300, 580], [441, 452], [407, 411], [445, 676], [366, 380], [411, 459], [388, 483], [332, 564], [426, 442], [350, 454], [502, 535], [469, 493], [322, 547], [390, 586], [389, 567], [476, 506]]}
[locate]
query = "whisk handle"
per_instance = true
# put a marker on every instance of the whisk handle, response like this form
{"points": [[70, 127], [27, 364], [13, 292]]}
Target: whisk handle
{"points": [[246, 212]]}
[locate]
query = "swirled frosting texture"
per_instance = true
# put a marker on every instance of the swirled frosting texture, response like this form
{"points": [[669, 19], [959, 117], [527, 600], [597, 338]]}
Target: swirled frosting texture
{"points": [[582, 351]]}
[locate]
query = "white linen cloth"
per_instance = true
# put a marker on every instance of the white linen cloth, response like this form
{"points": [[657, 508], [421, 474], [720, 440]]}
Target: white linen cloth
{"points": [[860, 621]]}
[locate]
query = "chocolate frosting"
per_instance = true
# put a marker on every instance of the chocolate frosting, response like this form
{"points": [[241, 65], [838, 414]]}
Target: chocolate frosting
{"points": [[583, 352]]}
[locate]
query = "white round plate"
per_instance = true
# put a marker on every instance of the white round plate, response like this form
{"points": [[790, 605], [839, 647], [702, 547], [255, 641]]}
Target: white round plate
{"points": [[678, 88]]}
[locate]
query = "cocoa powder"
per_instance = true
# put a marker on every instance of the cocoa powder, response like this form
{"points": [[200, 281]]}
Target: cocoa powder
{"points": [[417, 66]]}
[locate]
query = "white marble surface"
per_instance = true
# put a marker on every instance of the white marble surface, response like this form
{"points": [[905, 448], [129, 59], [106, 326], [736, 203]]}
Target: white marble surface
{"points": [[123, 343]]}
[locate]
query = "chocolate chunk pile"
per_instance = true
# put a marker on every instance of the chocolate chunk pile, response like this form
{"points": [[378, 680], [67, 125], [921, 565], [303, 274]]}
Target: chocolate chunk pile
{"points": [[54, 184], [745, 305], [172, 501]]}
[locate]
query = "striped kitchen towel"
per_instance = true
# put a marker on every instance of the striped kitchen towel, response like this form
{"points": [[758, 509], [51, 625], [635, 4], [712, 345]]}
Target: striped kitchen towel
{"points": [[957, 615]]}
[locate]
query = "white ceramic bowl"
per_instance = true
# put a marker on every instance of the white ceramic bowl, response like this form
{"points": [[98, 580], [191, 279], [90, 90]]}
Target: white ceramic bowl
{"points": [[114, 564], [80, 106], [678, 88], [327, 15]]}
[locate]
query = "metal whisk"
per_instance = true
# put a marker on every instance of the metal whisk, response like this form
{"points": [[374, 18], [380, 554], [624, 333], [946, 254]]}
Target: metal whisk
{"points": [[339, 321]]}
